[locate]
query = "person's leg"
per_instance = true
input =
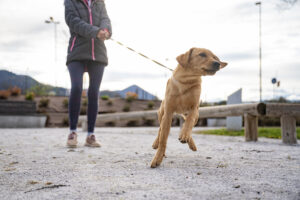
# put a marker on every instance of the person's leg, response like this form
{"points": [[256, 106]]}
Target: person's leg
{"points": [[95, 71], [76, 70]]}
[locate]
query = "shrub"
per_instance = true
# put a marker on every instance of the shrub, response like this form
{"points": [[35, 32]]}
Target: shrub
{"points": [[29, 96], [150, 105], [65, 121], [132, 123], [126, 108], [4, 94], [44, 102], [110, 124], [109, 103], [40, 90], [15, 91], [130, 96], [83, 110], [85, 102], [48, 120], [105, 97], [83, 93], [41, 110], [66, 103], [148, 122]]}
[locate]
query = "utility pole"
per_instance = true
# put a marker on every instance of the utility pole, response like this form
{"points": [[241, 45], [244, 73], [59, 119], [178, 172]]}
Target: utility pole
{"points": [[51, 21], [260, 73]]}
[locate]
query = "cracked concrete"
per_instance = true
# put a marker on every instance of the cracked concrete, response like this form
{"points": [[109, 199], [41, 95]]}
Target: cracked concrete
{"points": [[35, 164]]}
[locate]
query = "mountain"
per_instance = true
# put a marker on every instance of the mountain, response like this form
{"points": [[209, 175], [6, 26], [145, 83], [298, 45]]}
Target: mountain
{"points": [[9, 80], [142, 94]]}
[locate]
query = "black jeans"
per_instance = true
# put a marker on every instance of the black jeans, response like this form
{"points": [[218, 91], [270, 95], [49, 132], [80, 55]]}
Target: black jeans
{"points": [[76, 70]]}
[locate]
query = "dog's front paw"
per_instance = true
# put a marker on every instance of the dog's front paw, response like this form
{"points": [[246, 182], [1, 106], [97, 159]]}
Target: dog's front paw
{"points": [[189, 140], [184, 139], [157, 160], [155, 163]]}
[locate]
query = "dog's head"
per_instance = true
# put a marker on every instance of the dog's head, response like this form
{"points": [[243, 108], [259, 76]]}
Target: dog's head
{"points": [[200, 61]]}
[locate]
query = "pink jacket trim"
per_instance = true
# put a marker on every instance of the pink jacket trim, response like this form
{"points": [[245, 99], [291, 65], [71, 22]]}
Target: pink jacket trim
{"points": [[73, 42]]}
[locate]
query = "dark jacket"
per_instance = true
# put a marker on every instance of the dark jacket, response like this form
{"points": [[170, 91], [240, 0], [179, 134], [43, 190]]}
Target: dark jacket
{"points": [[84, 23]]}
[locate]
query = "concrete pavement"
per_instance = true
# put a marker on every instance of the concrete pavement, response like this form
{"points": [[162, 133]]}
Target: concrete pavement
{"points": [[35, 164]]}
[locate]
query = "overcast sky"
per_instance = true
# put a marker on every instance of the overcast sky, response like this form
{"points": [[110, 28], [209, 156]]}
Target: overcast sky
{"points": [[163, 29]]}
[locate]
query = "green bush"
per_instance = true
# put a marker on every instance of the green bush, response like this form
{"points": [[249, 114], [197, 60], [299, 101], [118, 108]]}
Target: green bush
{"points": [[148, 122], [66, 103], [44, 102], [4, 94], [129, 99], [15, 91], [109, 103], [65, 121], [150, 105], [85, 102], [40, 90], [29, 96], [83, 110], [48, 120], [126, 108], [105, 97], [132, 123], [111, 124]]}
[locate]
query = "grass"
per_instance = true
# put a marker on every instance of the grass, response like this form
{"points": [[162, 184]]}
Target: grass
{"points": [[262, 132]]}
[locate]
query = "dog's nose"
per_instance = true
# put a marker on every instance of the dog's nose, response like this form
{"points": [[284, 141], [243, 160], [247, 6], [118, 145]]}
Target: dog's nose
{"points": [[216, 65]]}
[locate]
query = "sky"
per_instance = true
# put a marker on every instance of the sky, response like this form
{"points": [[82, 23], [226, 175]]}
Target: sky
{"points": [[162, 30]]}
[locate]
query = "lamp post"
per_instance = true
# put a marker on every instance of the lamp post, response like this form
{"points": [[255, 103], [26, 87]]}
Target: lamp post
{"points": [[51, 21], [260, 74]]}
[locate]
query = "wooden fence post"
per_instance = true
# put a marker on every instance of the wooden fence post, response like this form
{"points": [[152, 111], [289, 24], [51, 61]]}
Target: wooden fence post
{"points": [[288, 129], [251, 124]]}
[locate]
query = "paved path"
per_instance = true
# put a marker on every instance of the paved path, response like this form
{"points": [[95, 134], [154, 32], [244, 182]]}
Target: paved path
{"points": [[35, 164]]}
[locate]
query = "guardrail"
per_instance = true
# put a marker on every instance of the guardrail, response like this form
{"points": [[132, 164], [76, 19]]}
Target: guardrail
{"points": [[250, 112]]}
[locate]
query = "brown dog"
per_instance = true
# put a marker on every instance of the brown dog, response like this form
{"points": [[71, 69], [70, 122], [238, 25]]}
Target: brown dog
{"points": [[182, 97]]}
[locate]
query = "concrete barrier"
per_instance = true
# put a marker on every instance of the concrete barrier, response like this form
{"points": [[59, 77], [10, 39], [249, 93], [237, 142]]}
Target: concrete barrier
{"points": [[22, 121]]}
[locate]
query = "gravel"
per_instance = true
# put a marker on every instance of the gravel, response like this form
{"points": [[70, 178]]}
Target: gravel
{"points": [[35, 164]]}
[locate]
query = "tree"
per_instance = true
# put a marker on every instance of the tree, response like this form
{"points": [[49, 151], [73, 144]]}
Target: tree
{"points": [[40, 90]]}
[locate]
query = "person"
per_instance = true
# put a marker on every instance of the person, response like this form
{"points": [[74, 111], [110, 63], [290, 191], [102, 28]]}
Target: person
{"points": [[89, 27]]}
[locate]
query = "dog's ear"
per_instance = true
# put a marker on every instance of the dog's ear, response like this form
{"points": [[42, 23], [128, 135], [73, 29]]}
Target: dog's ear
{"points": [[223, 64], [184, 59]]}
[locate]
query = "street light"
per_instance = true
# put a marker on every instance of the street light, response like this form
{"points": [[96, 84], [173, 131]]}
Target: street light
{"points": [[260, 74], [51, 21]]}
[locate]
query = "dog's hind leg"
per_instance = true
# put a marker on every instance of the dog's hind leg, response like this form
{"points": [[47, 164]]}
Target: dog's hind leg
{"points": [[185, 135], [163, 137], [160, 114]]}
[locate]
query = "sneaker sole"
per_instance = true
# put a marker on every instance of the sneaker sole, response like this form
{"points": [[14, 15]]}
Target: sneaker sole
{"points": [[90, 145]]}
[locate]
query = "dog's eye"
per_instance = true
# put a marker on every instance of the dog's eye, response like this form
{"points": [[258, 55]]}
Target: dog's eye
{"points": [[202, 55]]}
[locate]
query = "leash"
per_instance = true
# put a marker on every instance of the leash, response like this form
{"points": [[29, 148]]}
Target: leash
{"points": [[143, 55]]}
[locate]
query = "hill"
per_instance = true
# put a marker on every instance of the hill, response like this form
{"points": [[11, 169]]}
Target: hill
{"points": [[10, 79]]}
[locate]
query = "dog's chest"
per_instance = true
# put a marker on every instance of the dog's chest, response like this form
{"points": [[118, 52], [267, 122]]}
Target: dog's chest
{"points": [[185, 104]]}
